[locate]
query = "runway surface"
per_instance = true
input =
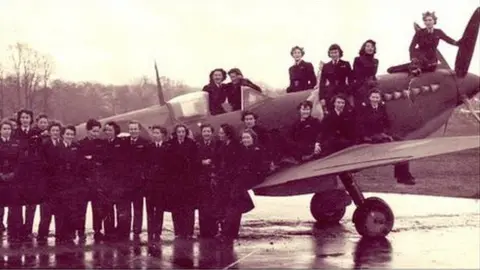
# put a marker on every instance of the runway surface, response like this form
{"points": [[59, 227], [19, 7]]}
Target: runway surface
{"points": [[429, 232]]}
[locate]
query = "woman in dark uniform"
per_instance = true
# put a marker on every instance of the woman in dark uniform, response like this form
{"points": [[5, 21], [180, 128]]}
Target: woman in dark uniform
{"points": [[251, 171], [336, 76], [338, 126], [158, 176], [302, 74], [182, 187], [226, 168], [216, 91], [207, 148], [304, 132], [68, 187], [423, 48], [9, 157], [31, 167], [365, 67], [374, 126], [115, 159]]}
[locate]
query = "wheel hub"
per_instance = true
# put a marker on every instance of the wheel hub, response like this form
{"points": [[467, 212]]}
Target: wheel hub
{"points": [[376, 222]]}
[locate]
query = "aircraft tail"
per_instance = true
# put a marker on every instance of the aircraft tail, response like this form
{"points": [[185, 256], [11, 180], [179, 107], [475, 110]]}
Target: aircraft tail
{"points": [[467, 45], [161, 97]]}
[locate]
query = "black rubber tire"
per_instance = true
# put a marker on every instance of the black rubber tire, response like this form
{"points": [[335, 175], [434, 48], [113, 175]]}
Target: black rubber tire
{"points": [[326, 209], [363, 212]]}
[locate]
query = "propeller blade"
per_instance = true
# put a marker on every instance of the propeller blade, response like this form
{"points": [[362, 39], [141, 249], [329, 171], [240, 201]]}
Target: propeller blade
{"points": [[467, 45], [469, 106]]}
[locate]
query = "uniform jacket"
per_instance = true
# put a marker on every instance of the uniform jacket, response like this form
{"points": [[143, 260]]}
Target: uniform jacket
{"points": [[158, 158], [216, 97], [341, 125], [428, 42], [138, 154], [338, 76], [183, 167], [302, 77], [305, 133], [372, 121]]}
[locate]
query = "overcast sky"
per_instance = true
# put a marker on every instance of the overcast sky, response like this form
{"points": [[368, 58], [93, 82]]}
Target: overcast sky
{"points": [[116, 41]]}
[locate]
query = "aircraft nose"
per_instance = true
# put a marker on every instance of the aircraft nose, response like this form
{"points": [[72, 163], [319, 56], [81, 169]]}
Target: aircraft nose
{"points": [[470, 85]]}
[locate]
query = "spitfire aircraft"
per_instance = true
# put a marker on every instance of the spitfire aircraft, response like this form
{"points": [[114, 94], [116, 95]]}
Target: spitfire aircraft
{"points": [[416, 107]]}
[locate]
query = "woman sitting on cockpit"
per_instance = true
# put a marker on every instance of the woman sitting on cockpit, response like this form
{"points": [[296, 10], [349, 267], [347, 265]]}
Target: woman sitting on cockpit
{"points": [[423, 48], [216, 91]]}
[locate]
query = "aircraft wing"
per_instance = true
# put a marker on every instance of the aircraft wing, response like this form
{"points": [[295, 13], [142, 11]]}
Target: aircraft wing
{"points": [[305, 178]]}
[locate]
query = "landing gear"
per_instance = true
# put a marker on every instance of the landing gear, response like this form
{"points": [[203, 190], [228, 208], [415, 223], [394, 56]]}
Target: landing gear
{"points": [[373, 217], [329, 207]]}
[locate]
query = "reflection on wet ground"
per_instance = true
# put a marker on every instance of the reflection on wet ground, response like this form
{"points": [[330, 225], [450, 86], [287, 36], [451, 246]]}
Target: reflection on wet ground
{"points": [[283, 236]]}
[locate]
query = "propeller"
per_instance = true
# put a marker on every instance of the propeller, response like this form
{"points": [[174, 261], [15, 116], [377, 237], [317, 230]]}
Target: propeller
{"points": [[161, 98], [469, 105], [467, 45]]}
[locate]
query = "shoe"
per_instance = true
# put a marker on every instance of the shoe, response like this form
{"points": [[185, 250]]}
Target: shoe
{"points": [[98, 236], [408, 180]]}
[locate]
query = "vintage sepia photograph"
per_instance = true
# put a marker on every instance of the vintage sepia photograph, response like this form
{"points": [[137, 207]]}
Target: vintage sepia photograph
{"points": [[254, 134]]}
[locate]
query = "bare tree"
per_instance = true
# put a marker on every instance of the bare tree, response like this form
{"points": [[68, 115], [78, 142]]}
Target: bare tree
{"points": [[46, 65], [27, 63], [2, 92]]}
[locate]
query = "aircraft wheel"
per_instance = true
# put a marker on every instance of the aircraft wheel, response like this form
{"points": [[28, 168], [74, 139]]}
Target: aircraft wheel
{"points": [[326, 209], [373, 218]]}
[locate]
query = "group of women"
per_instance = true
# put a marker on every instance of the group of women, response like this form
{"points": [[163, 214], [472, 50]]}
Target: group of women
{"points": [[175, 173], [178, 174]]}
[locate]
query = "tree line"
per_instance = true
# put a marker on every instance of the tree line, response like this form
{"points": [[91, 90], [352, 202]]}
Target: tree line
{"points": [[26, 82]]}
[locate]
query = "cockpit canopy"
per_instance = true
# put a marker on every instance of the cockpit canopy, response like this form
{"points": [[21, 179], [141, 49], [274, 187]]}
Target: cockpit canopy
{"points": [[195, 105]]}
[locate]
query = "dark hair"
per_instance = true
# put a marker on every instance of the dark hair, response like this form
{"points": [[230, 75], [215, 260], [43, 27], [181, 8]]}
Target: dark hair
{"points": [[247, 113], [174, 133], [91, 123], [40, 116], [221, 70], [6, 123], [12, 119], [69, 127], [430, 14], [163, 130], [134, 122], [302, 51], [252, 133], [235, 71], [22, 111], [54, 124], [362, 49], [335, 47], [374, 91], [116, 127], [305, 103], [339, 96], [207, 126], [229, 131]]}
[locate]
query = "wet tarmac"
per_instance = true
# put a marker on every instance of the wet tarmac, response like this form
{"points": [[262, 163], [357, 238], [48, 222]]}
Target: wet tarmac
{"points": [[429, 232]]}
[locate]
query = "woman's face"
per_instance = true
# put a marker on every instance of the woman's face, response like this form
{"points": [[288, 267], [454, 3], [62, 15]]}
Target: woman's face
{"points": [[55, 132], [305, 112], [297, 54], [339, 104], [207, 133], [369, 48], [109, 131], [375, 98], [14, 125], [247, 139], [25, 119], [217, 77], [334, 54], [6, 131], [42, 123], [69, 135], [181, 133], [221, 135], [429, 22]]}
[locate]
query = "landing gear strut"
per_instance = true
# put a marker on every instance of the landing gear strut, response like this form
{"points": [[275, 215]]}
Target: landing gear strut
{"points": [[372, 217]]}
